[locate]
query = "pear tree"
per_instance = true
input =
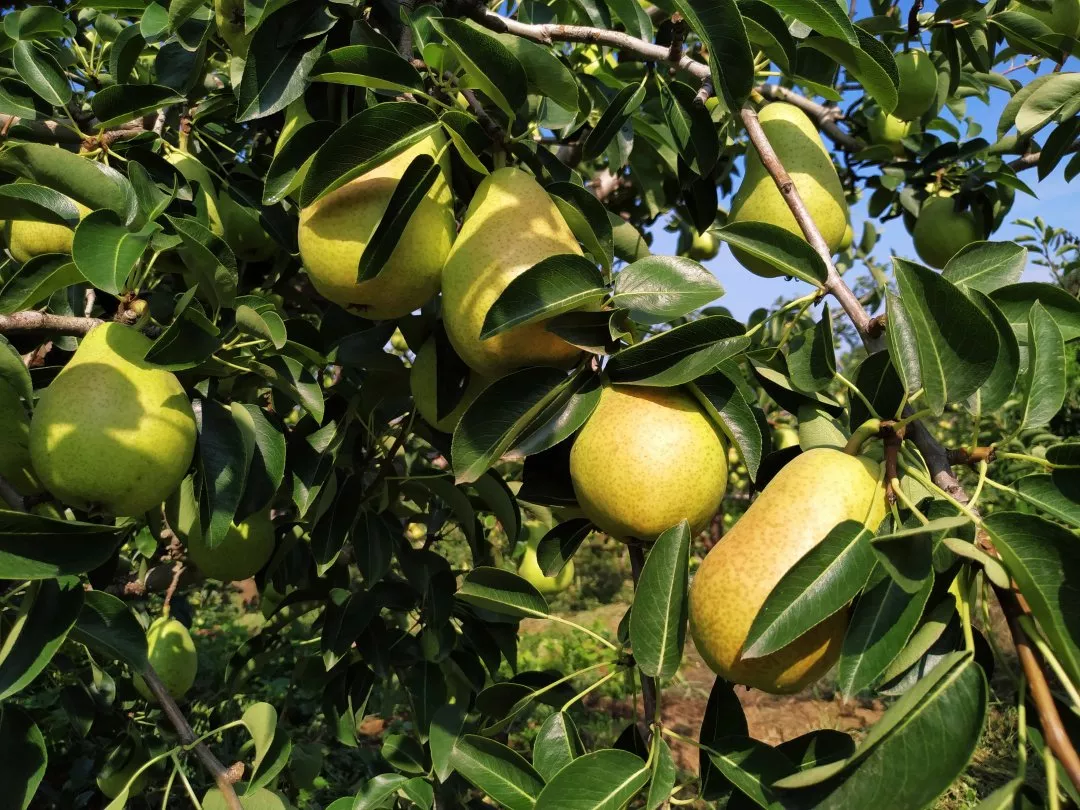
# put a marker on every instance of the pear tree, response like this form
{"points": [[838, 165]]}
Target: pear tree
{"points": [[394, 310]]}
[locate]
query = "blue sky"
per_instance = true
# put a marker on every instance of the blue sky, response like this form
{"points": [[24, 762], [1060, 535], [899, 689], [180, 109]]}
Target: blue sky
{"points": [[1057, 203]]}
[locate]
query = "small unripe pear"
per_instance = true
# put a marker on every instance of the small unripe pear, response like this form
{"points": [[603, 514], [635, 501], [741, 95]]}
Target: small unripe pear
{"points": [[121, 764], [172, 656], [27, 238], [530, 566], [423, 381], [245, 549], [810, 496], [785, 437], [647, 459], [941, 230], [229, 18], [704, 247]]}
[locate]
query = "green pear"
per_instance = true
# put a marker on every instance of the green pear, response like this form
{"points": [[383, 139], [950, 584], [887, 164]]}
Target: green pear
{"points": [[784, 437], [423, 381], [888, 130], [172, 655], [121, 765], [27, 238], [845, 242], [112, 430], [918, 84], [296, 118], [335, 230], [530, 566], [245, 549], [243, 230], [812, 494], [646, 459], [15, 466], [511, 225], [1060, 16], [941, 230], [229, 18], [704, 247], [206, 196], [799, 147]]}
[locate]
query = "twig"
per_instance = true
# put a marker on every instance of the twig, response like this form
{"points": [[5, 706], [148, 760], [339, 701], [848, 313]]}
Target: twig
{"points": [[648, 684], [33, 321], [178, 569], [223, 777], [10, 496], [89, 298]]}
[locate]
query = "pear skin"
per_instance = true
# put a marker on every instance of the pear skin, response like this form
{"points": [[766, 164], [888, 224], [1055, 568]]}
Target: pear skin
{"points": [[335, 230], [941, 230], [423, 382], [230, 22], [245, 549], [888, 130], [799, 147], [112, 430], [511, 225], [27, 238], [172, 656], [918, 84], [812, 494], [647, 459], [206, 196], [15, 465], [530, 566]]}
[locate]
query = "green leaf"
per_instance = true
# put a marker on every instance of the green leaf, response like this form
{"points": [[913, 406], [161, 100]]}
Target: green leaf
{"points": [[788, 253], [828, 19], [502, 413], [883, 620], [812, 356], [108, 626], [446, 726], [417, 179], [956, 342], [999, 385], [121, 103], [290, 166], [1015, 300], [35, 547], [42, 73], [16, 98], [657, 289], [489, 65], [547, 75], [30, 23], [365, 141], [768, 29], [125, 52], [23, 752], [267, 469], [1054, 100], [680, 355], [617, 114], [91, 183], [225, 451], [662, 777], [46, 614], [658, 619], [34, 202], [367, 66], [602, 780], [1057, 493], [14, 373], [252, 799], [36, 281], [770, 369], [498, 771], [1041, 556], [554, 285], [722, 31], [751, 766], [106, 252], [869, 63], [587, 218], [210, 259], [727, 406], [691, 125], [502, 592], [259, 318], [723, 717], [1045, 382], [557, 745], [559, 544], [985, 266], [260, 720], [820, 583]]}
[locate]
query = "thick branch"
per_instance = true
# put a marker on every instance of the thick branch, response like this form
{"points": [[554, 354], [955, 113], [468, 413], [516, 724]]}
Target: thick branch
{"points": [[648, 685], [223, 777], [34, 321], [1031, 159], [64, 131]]}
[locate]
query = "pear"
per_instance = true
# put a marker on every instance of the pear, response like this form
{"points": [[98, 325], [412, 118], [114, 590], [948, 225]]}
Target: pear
{"points": [[940, 230], [646, 459], [530, 566], [785, 437], [172, 656], [296, 118], [121, 764], [423, 381], [112, 430], [849, 237], [206, 196], [15, 466], [799, 147], [27, 238], [229, 19], [918, 84], [704, 247], [245, 549], [243, 230], [511, 225], [1060, 16], [888, 130], [335, 230], [812, 494]]}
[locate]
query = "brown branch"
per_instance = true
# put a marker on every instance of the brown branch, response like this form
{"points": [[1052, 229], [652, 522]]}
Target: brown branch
{"points": [[223, 777], [823, 116], [1031, 159], [648, 684], [34, 321]]}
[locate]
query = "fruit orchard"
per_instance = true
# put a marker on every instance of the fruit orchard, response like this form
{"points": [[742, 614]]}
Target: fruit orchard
{"points": [[361, 305]]}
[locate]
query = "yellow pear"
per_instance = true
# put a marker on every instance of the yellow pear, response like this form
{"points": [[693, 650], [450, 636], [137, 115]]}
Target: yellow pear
{"points": [[918, 84], [511, 225], [423, 381], [244, 550], [206, 196], [335, 230], [530, 566], [785, 437], [888, 130], [112, 430], [243, 230], [121, 764], [849, 237], [647, 459], [704, 247], [15, 466], [229, 18], [27, 238], [812, 494], [799, 147], [296, 117], [941, 230], [172, 655]]}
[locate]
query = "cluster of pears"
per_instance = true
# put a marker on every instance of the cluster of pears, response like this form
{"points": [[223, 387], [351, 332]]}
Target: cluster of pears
{"points": [[915, 97], [811, 494]]}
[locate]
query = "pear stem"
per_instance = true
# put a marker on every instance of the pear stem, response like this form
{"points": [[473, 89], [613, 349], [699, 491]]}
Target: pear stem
{"points": [[223, 777], [648, 684]]}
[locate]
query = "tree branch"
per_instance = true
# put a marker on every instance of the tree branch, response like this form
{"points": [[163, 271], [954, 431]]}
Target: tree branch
{"points": [[34, 321], [824, 117], [223, 777]]}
